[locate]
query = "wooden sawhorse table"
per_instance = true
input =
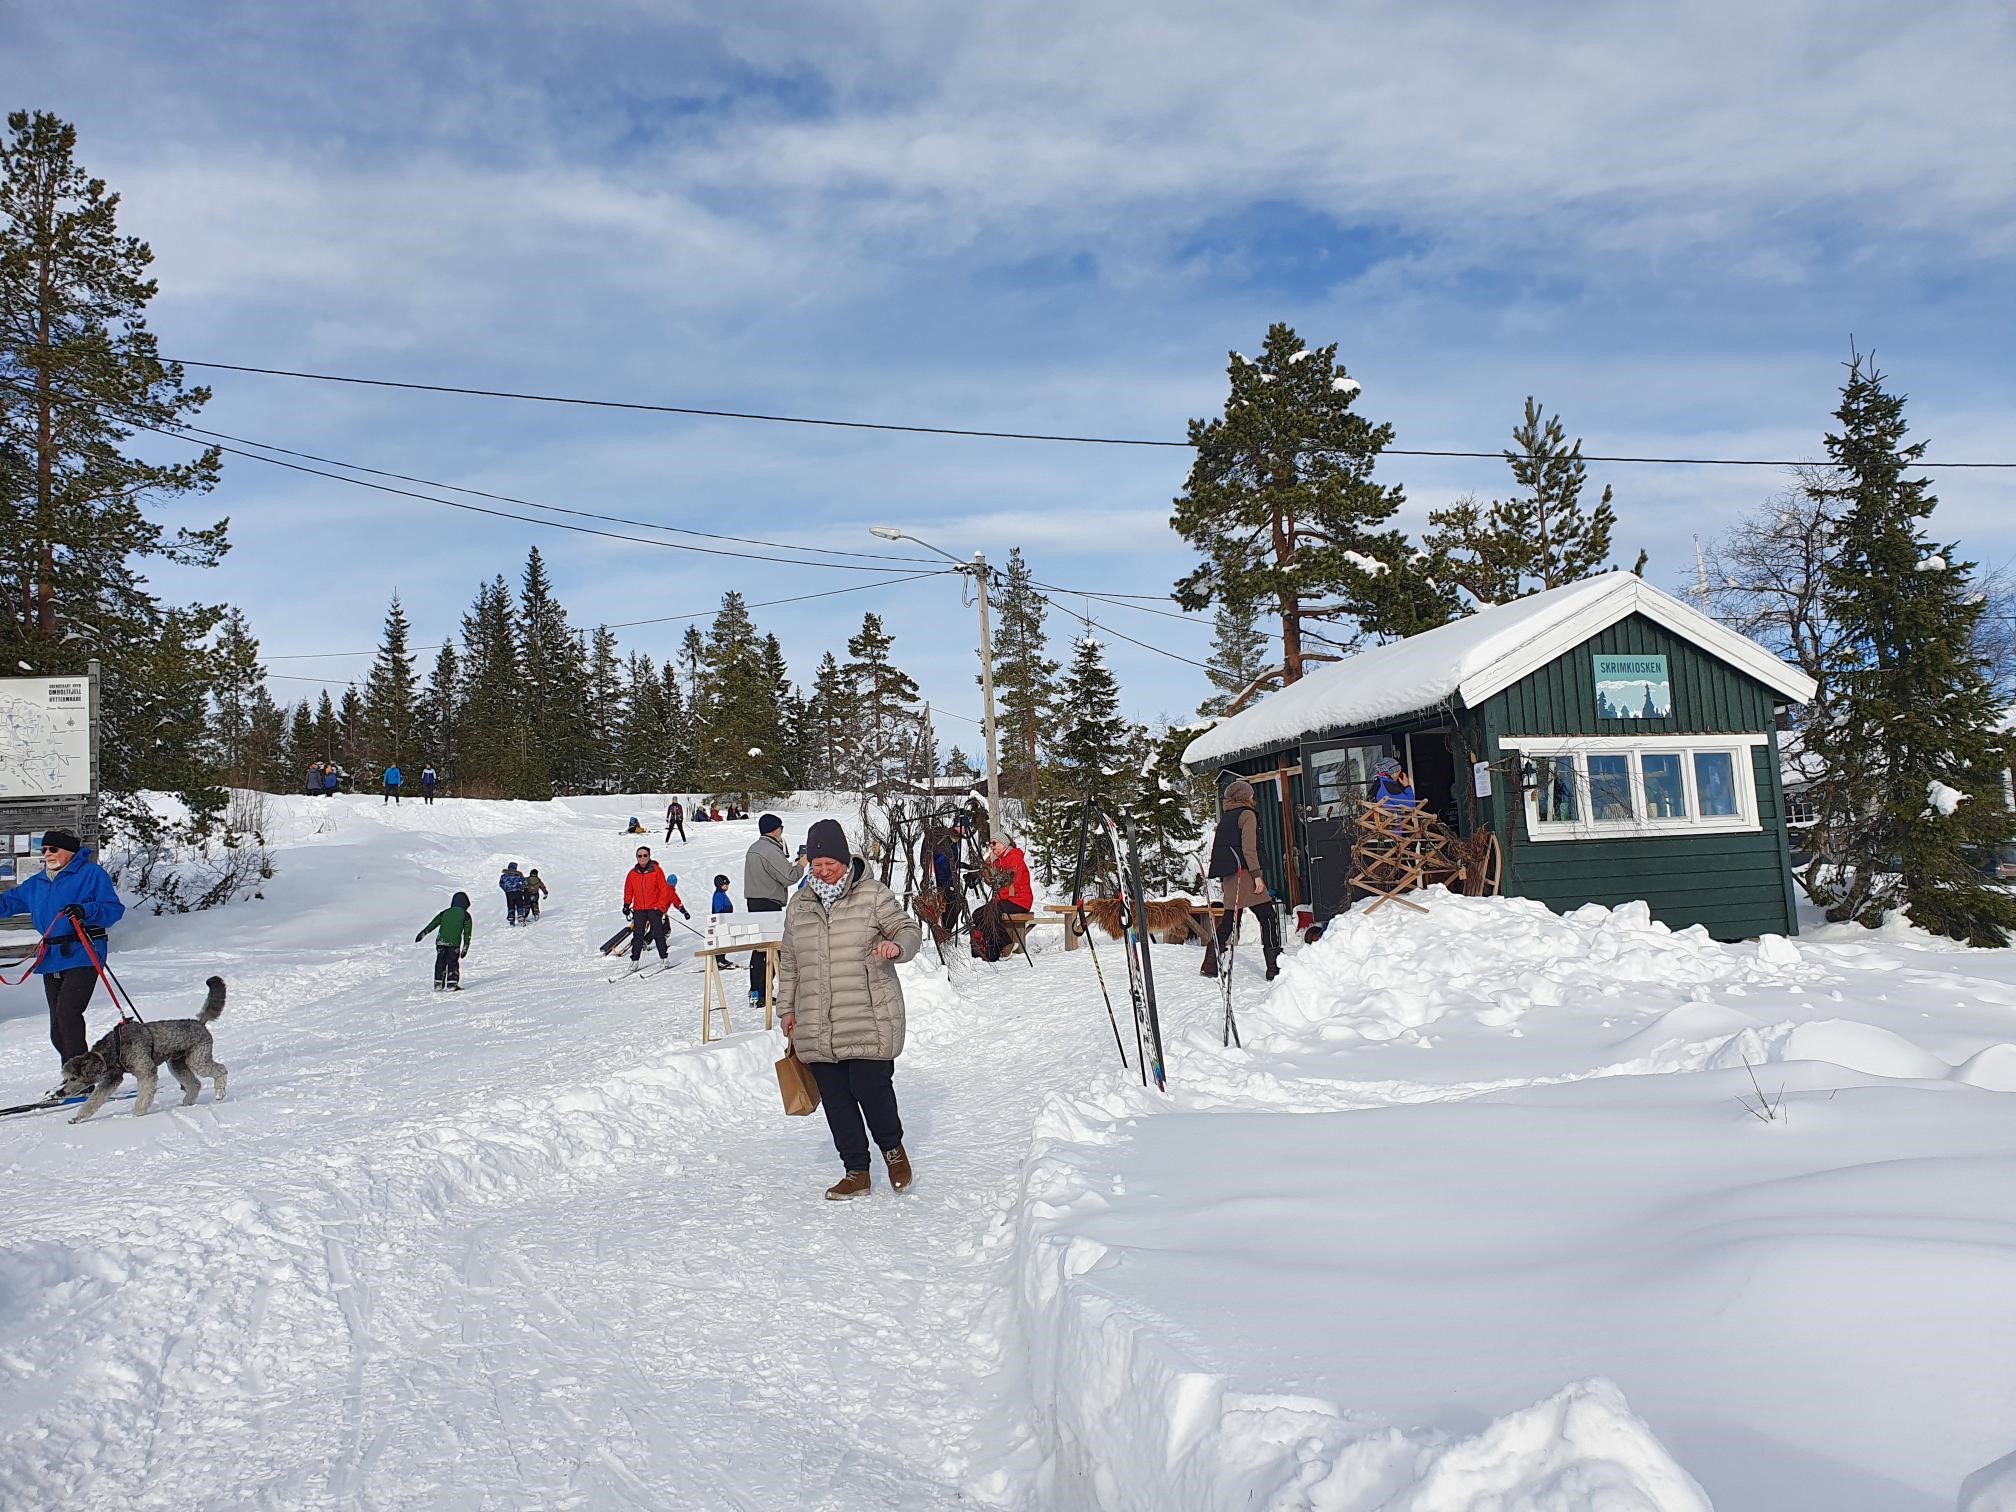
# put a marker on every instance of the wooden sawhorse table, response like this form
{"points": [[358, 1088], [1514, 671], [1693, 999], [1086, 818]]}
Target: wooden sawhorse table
{"points": [[714, 991]]}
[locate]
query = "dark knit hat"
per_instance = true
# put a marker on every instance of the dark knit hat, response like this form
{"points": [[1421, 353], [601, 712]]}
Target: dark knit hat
{"points": [[721, 879], [769, 824], [827, 839], [63, 839]]}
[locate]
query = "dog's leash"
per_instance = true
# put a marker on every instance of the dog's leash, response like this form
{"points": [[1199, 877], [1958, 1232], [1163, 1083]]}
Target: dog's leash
{"points": [[115, 989], [41, 949]]}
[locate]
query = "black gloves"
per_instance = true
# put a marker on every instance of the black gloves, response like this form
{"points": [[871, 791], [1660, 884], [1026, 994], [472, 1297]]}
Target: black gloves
{"points": [[463, 954], [419, 937], [684, 915], [626, 910], [74, 912]]}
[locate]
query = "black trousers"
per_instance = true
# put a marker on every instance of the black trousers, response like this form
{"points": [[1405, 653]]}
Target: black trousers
{"points": [[1270, 927], [670, 826], [68, 992], [447, 966], [859, 1097], [391, 795], [649, 923], [426, 795], [758, 981]]}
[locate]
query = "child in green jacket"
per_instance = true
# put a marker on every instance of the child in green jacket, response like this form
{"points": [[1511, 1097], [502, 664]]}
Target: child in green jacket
{"points": [[451, 944]]}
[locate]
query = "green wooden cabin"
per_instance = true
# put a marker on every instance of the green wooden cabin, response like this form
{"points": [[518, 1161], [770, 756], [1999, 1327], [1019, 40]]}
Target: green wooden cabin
{"points": [[1621, 744]]}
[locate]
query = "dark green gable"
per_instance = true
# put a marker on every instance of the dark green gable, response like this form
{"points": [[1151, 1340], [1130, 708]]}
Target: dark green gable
{"points": [[1734, 885]]}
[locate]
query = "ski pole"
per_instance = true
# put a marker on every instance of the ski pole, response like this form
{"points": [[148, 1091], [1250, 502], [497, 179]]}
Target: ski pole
{"points": [[114, 988], [1231, 1036], [1085, 930]]}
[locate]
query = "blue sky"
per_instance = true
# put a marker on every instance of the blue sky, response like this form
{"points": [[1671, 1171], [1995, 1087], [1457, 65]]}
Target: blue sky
{"points": [[1666, 224]]}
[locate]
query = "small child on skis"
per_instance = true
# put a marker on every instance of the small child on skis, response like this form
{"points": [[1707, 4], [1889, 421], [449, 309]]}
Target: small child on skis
{"points": [[512, 884], [451, 944], [535, 889]]}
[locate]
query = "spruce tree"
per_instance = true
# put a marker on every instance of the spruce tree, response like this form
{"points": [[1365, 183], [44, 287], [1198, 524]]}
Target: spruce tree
{"points": [[885, 700], [1910, 797], [1541, 537], [1025, 677], [392, 695], [301, 747], [555, 672], [238, 698], [677, 722], [739, 739], [441, 712], [1090, 757], [353, 735], [491, 734], [643, 754], [1238, 656], [606, 688], [79, 372], [959, 766], [1282, 503], [327, 746], [1168, 811], [831, 716]]}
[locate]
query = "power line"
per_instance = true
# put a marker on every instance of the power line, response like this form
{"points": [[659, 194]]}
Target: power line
{"points": [[950, 430], [1121, 634]]}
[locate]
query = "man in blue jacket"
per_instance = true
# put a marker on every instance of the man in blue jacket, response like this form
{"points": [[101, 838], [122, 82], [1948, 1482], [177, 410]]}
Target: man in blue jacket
{"points": [[73, 895], [393, 779]]}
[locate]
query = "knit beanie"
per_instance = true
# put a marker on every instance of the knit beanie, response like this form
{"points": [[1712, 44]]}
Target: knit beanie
{"points": [[62, 839], [827, 839], [769, 824]]}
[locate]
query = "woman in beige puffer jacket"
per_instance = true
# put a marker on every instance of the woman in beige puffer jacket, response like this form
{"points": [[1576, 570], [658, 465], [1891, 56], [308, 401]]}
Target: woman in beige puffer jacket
{"points": [[839, 1001]]}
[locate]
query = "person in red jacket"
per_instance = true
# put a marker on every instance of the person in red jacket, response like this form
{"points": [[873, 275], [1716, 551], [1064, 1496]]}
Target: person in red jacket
{"points": [[1008, 870], [647, 894]]}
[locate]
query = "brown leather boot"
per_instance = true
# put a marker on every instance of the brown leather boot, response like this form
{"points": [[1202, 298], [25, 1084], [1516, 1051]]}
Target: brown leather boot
{"points": [[899, 1168], [853, 1184]]}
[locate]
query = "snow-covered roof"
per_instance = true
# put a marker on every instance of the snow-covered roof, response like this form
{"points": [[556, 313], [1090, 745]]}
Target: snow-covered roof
{"points": [[1474, 658]]}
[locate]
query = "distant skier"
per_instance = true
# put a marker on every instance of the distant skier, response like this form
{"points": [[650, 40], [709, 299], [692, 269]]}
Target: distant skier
{"points": [[675, 818], [634, 827], [648, 894], [535, 889], [457, 929], [512, 884], [71, 896], [393, 780], [427, 781]]}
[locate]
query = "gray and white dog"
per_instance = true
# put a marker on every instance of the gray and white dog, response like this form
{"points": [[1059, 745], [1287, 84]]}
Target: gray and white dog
{"points": [[137, 1049]]}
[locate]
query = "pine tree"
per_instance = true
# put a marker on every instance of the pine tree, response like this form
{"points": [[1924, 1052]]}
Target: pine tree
{"points": [[238, 686], [266, 756], [555, 672], [392, 695], [1912, 706], [1282, 503], [353, 735], [1541, 538], [79, 371], [677, 722], [1168, 812], [885, 699], [959, 766], [1025, 678], [301, 746], [326, 728], [1238, 656], [1090, 757]]}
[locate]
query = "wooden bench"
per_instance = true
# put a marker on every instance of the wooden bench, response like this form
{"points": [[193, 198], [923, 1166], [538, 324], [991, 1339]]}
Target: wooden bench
{"points": [[1198, 920]]}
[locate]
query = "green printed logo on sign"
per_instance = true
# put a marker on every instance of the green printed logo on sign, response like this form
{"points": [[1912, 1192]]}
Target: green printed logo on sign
{"points": [[1633, 687]]}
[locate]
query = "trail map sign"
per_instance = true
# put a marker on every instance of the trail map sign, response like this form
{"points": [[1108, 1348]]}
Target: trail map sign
{"points": [[1633, 687], [45, 737]]}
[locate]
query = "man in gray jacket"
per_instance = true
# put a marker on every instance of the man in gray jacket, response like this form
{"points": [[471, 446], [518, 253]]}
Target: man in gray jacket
{"points": [[768, 876]]}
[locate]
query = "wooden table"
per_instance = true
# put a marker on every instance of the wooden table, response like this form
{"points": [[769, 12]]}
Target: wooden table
{"points": [[714, 991]]}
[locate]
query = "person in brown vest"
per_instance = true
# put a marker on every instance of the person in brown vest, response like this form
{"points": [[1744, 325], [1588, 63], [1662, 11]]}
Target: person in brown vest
{"points": [[1235, 862]]}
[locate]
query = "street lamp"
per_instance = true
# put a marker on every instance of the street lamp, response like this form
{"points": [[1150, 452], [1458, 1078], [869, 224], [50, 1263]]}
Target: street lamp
{"points": [[977, 569]]}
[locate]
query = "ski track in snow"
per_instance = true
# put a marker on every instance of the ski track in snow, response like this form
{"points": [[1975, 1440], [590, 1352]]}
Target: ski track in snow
{"points": [[526, 1245]]}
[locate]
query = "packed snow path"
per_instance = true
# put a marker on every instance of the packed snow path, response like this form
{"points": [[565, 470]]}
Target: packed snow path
{"points": [[525, 1245]]}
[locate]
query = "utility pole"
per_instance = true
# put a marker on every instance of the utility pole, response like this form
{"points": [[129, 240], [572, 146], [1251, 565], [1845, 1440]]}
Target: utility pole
{"points": [[978, 567]]}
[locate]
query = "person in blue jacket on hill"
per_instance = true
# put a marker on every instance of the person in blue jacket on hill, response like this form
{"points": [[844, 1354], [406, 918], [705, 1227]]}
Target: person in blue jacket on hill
{"points": [[393, 779], [72, 896], [722, 902]]}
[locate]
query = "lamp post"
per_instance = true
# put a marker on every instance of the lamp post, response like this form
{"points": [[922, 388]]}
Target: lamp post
{"points": [[977, 568]]}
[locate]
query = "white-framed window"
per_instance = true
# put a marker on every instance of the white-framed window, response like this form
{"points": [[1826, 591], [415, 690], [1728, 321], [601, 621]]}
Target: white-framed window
{"points": [[1597, 787]]}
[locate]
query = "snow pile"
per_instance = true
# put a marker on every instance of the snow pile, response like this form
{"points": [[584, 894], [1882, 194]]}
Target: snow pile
{"points": [[1992, 1488], [1941, 799], [1388, 974]]}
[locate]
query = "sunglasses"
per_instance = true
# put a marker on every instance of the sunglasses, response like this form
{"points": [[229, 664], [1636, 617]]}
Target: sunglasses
{"points": [[643, 855]]}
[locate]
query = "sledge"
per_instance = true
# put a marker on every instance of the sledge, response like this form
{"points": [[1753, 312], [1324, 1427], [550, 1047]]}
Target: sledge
{"points": [[616, 941]]}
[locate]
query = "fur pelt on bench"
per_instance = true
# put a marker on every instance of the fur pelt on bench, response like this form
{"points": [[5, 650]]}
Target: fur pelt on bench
{"points": [[1168, 918]]}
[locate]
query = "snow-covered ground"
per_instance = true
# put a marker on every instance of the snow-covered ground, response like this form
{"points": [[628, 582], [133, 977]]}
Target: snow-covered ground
{"points": [[1475, 1221]]}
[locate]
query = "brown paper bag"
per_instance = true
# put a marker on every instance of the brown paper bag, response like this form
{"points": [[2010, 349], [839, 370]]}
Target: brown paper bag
{"points": [[801, 1093]]}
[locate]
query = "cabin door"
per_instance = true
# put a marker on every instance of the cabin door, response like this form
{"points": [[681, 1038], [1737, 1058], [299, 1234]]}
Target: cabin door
{"points": [[1335, 780]]}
